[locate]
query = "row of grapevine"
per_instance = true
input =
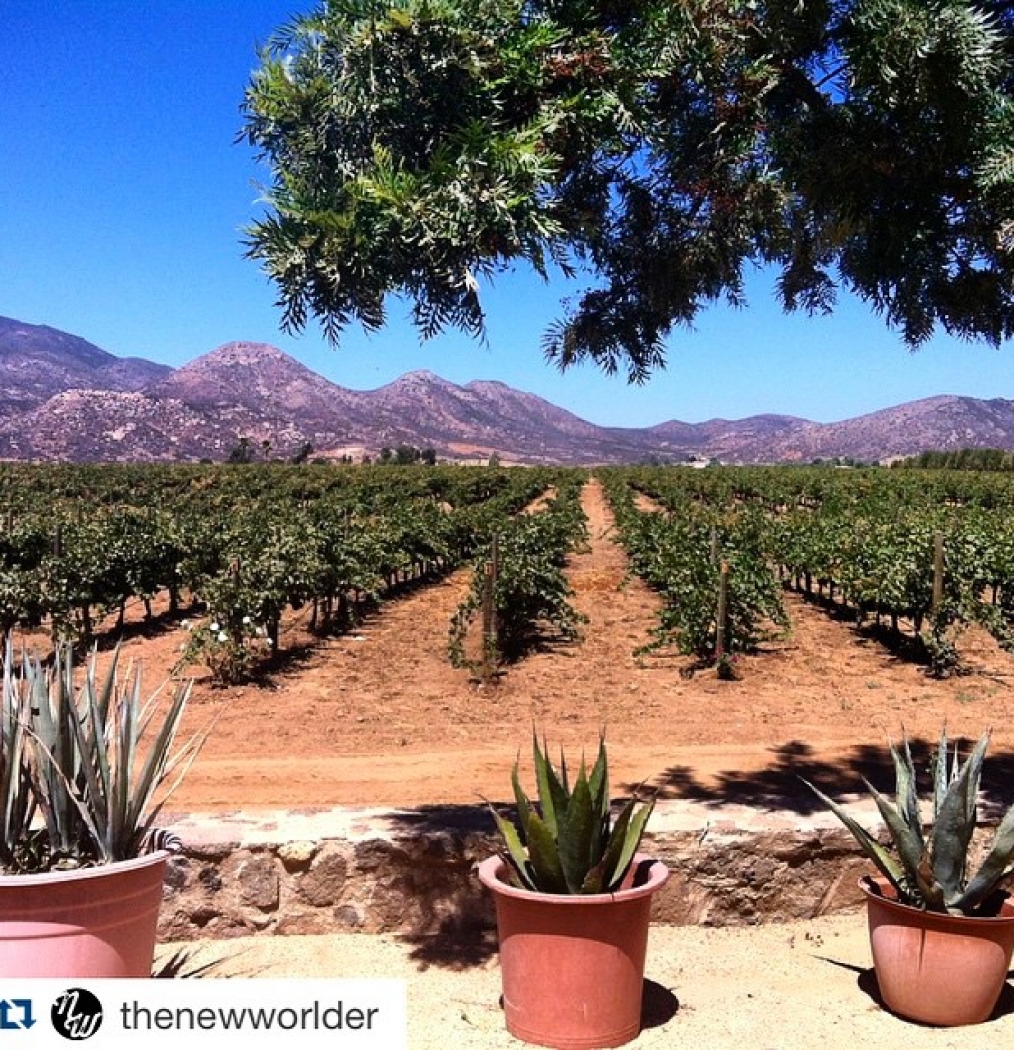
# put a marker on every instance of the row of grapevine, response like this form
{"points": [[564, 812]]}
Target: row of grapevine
{"points": [[519, 575], [709, 565], [884, 568], [240, 544], [873, 542]]}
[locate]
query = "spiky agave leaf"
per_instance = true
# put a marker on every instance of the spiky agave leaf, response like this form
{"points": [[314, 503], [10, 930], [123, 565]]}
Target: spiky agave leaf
{"points": [[516, 855], [598, 787], [620, 846], [575, 831], [954, 825], [135, 801], [631, 840], [598, 781], [52, 759], [907, 839], [521, 802], [995, 866], [600, 877], [906, 794], [552, 795], [544, 858], [17, 805], [940, 773], [885, 863]]}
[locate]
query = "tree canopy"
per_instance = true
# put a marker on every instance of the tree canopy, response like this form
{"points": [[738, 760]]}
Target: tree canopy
{"points": [[651, 150]]}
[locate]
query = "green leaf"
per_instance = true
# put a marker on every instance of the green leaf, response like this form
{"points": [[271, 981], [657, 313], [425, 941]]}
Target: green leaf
{"points": [[545, 860], [598, 782], [576, 830], [516, 855], [629, 842], [552, 797], [907, 839], [521, 802], [885, 863], [954, 825], [940, 776], [906, 794], [994, 867]]}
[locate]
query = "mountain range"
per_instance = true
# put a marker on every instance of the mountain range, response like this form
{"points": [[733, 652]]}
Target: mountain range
{"points": [[64, 399]]}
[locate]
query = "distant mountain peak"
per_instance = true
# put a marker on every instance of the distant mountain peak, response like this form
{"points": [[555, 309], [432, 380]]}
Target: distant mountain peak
{"points": [[244, 352], [422, 377], [62, 398], [37, 362]]}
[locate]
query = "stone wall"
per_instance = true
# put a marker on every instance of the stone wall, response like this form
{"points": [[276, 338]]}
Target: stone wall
{"points": [[413, 872]]}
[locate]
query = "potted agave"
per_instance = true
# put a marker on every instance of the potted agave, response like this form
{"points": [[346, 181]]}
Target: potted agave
{"points": [[84, 772], [941, 935], [573, 901]]}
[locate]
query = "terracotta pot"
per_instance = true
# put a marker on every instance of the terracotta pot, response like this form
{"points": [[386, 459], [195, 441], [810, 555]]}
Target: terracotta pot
{"points": [[937, 969], [94, 922], [573, 966]]}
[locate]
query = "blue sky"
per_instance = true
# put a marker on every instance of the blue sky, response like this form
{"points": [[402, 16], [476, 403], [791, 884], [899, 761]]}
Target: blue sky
{"points": [[123, 195]]}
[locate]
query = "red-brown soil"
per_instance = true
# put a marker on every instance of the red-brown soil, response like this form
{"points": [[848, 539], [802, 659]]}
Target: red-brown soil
{"points": [[380, 717]]}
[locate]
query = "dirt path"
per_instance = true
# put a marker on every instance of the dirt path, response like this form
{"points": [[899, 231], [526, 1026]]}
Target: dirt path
{"points": [[379, 717]]}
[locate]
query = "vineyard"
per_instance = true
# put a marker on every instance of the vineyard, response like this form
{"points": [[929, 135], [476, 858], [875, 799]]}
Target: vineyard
{"points": [[347, 630]]}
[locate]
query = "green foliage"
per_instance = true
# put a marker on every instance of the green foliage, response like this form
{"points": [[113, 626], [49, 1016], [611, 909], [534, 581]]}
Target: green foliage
{"points": [[242, 453], [96, 761], [19, 841], [962, 459], [406, 455], [418, 148], [78, 543], [240, 546], [678, 549], [931, 867], [530, 589], [569, 843]]}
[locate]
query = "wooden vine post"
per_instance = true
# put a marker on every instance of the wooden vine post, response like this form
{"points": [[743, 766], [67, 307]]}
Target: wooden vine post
{"points": [[489, 632], [721, 625]]}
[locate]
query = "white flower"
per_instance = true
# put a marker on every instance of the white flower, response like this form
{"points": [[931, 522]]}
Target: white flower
{"points": [[246, 619], [215, 627], [222, 636]]}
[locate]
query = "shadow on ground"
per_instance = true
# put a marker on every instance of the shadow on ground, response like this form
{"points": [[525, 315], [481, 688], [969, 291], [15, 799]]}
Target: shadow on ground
{"points": [[658, 1005], [454, 946], [779, 785]]}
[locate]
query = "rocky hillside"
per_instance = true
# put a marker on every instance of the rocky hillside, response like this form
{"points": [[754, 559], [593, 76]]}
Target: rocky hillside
{"points": [[37, 362], [61, 398]]}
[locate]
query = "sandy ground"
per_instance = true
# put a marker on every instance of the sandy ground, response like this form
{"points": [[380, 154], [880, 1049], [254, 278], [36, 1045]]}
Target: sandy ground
{"points": [[777, 987], [380, 717]]}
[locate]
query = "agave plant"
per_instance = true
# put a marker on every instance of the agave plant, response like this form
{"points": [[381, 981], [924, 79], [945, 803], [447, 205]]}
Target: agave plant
{"points": [[931, 869], [569, 843], [94, 762], [17, 803]]}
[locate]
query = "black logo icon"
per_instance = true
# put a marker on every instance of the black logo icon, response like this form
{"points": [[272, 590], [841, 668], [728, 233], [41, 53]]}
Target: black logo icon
{"points": [[77, 1014]]}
